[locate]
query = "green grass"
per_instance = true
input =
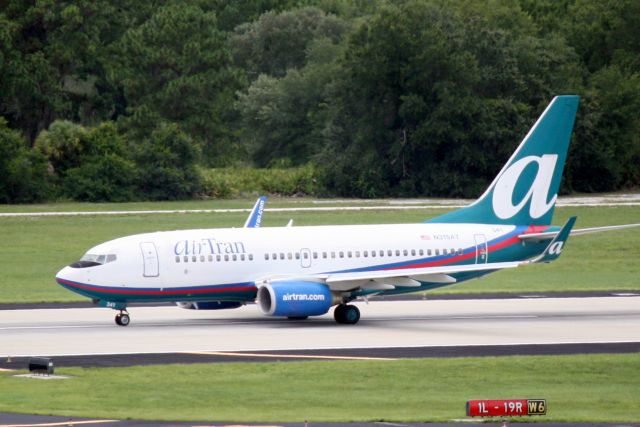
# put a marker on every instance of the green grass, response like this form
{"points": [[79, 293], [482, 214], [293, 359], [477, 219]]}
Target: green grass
{"points": [[594, 388], [34, 249]]}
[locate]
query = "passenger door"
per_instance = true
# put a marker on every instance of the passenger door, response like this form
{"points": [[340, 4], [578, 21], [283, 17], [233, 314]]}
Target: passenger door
{"points": [[150, 259], [482, 255]]}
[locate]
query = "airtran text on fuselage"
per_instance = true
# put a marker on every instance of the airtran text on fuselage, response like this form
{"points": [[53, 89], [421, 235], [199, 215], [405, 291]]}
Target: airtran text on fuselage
{"points": [[208, 246]]}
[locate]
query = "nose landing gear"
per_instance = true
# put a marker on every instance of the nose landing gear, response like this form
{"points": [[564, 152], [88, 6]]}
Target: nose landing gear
{"points": [[122, 318]]}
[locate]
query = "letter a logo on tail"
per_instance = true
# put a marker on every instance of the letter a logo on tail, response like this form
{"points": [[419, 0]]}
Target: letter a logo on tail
{"points": [[526, 189], [538, 192]]}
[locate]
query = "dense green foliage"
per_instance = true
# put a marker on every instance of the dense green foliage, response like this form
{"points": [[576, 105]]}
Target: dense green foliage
{"points": [[100, 99]]}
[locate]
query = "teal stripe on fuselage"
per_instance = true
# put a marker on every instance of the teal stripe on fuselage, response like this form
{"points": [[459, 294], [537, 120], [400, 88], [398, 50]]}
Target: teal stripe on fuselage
{"points": [[241, 292]]}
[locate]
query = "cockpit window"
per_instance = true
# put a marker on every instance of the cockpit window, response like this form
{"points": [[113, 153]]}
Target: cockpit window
{"points": [[91, 260]]}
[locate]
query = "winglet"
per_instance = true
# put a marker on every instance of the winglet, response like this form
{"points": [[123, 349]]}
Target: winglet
{"points": [[255, 217], [554, 249]]}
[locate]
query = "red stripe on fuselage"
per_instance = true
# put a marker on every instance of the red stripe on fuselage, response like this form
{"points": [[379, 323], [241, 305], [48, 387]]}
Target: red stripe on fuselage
{"points": [[491, 248], [170, 291]]}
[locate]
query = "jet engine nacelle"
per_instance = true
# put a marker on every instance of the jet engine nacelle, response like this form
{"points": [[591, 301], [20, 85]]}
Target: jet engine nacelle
{"points": [[209, 305], [294, 299]]}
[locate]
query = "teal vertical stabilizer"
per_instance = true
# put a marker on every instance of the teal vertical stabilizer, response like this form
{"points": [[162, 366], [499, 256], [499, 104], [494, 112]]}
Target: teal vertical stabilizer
{"points": [[526, 189]]}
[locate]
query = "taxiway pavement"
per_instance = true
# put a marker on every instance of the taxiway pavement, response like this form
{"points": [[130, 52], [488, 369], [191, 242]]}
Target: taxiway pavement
{"points": [[384, 325]]}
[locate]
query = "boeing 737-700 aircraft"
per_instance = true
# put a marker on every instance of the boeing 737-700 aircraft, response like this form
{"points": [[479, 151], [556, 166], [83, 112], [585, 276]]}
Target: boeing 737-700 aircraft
{"points": [[297, 272]]}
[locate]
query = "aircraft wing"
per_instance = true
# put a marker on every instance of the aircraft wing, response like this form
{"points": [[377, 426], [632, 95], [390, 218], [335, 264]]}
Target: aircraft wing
{"points": [[551, 234], [255, 217], [391, 279], [410, 277]]}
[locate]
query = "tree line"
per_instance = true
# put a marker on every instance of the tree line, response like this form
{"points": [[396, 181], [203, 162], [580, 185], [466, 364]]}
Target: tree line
{"points": [[115, 100]]}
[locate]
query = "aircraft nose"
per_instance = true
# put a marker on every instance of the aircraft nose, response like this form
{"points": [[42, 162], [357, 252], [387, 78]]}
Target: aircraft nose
{"points": [[63, 275]]}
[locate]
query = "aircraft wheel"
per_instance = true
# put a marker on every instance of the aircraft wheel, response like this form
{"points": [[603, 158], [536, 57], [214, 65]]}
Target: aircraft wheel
{"points": [[123, 319], [351, 314], [339, 313]]}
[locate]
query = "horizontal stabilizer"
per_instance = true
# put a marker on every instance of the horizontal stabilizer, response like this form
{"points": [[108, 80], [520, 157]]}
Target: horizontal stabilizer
{"points": [[548, 235], [553, 251]]}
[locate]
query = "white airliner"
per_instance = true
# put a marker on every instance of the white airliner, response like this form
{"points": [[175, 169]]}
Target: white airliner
{"points": [[297, 272]]}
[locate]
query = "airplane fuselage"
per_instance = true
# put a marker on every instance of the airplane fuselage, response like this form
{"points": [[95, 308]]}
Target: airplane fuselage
{"points": [[225, 264]]}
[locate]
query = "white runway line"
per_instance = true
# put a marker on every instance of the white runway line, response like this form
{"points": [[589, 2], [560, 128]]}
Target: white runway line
{"points": [[400, 204]]}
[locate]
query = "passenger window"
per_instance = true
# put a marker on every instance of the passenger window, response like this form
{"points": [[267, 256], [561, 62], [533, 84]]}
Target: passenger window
{"points": [[274, 256], [266, 257], [210, 258], [357, 254], [381, 253], [349, 254], [305, 255], [235, 257], [413, 252], [242, 257], [289, 255], [281, 255], [405, 252], [186, 258], [341, 254], [177, 259], [373, 254], [421, 252], [429, 252], [194, 258], [389, 252], [333, 254], [365, 254], [297, 255], [201, 258], [315, 255], [218, 257], [226, 257], [324, 255], [397, 252], [250, 257], [437, 252]]}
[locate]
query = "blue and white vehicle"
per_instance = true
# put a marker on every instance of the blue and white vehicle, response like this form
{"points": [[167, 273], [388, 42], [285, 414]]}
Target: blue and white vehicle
{"points": [[297, 272]]}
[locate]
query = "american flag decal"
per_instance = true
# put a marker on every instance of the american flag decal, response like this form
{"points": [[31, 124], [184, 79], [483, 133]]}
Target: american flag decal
{"points": [[425, 237]]}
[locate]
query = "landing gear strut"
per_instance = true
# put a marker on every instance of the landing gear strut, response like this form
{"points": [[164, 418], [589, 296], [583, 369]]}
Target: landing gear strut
{"points": [[346, 314], [122, 318]]}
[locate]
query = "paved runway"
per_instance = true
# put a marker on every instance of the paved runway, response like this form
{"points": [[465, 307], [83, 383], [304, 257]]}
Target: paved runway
{"points": [[384, 325]]}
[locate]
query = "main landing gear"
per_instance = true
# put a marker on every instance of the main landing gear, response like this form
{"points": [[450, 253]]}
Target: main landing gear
{"points": [[346, 314], [122, 318]]}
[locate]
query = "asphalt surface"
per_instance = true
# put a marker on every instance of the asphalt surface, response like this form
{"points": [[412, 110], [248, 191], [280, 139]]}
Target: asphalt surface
{"points": [[124, 360], [403, 297], [425, 326]]}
